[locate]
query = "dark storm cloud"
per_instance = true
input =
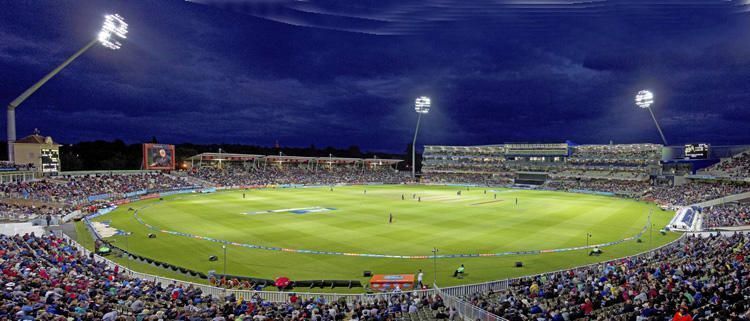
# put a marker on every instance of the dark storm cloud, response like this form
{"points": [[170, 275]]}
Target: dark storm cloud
{"points": [[344, 73]]}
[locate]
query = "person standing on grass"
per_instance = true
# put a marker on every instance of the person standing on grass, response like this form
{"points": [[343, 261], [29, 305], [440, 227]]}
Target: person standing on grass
{"points": [[420, 275], [390, 218]]}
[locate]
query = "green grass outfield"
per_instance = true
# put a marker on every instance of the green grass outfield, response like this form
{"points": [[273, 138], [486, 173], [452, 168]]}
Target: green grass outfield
{"points": [[474, 222]]}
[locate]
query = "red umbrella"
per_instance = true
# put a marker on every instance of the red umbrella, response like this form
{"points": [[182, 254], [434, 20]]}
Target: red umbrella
{"points": [[283, 282]]}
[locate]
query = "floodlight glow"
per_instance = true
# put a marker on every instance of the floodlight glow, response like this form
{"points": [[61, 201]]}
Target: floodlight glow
{"points": [[113, 29], [422, 105], [644, 99]]}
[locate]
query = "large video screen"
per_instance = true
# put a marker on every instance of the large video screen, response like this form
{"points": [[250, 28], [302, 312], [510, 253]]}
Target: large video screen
{"points": [[158, 156], [696, 151]]}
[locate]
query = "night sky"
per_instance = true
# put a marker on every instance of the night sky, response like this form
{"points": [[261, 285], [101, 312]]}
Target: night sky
{"points": [[347, 72]]}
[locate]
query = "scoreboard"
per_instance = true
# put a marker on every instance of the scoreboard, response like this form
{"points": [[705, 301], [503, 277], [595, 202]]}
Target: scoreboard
{"points": [[696, 151]]}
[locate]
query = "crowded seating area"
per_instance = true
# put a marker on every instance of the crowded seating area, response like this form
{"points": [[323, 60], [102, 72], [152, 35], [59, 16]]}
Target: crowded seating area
{"points": [[19, 212], [623, 161], [481, 165], [634, 162], [727, 215], [10, 166], [76, 190], [625, 154], [45, 278], [705, 278], [598, 172], [237, 176], [629, 188], [468, 178], [696, 192], [738, 166]]}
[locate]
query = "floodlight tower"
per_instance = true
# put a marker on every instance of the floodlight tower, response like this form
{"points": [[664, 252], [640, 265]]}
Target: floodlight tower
{"points": [[113, 29], [645, 99], [421, 106]]}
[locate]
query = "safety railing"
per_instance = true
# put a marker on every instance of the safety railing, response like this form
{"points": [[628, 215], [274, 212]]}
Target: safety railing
{"points": [[466, 310]]}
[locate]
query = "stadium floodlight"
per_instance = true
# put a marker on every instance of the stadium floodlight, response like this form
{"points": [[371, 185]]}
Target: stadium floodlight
{"points": [[421, 106], [113, 30], [644, 99]]}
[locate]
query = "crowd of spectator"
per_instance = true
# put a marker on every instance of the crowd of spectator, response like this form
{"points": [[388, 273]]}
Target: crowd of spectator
{"points": [[637, 174], [77, 189], [627, 153], [695, 192], [60, 195], [494, 167], [704, 278], [468, 178], [273, 175], [630, 188], [10, 166], [45, 278], [624, 161], [21, 212], [736, 167], [726, 215]]}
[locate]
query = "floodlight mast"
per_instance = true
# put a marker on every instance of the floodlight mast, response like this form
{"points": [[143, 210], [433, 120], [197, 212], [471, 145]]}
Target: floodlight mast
{"points": [[645, 99], [114, 27], [421, 106]]}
